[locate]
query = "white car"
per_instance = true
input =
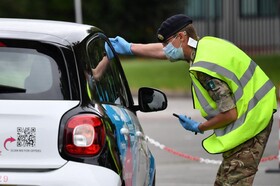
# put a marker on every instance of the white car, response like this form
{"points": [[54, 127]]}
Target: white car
{"points": [[67, 114]]}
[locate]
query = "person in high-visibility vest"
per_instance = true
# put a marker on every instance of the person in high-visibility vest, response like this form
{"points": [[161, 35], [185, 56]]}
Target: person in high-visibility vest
{"points": [[233, 94]]}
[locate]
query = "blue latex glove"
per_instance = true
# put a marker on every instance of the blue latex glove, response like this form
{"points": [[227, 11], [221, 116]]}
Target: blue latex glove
{"points": [[121, 46], [109, 51], [189, 124]]}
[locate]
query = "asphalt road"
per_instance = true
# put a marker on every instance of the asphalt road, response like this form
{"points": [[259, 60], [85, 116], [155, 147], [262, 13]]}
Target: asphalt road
{"points": [[174, 170]]}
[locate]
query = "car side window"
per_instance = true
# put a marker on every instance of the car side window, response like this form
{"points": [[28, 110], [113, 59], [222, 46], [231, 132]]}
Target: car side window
{"points": [[107, 81]]}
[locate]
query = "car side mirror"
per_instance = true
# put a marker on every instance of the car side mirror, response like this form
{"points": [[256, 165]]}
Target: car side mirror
{"points": [[151, 100]]}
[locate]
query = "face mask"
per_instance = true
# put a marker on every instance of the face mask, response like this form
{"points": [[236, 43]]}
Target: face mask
{"points": [[173, 53]]}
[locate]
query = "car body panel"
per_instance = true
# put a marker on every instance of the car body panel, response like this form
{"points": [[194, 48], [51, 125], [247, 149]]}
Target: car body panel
{"points": [[21, 120], [133, 147], [64, 33], [71, 174]]}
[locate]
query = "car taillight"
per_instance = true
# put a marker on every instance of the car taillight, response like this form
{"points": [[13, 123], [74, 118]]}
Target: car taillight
{"points": [[84, 135], [2, 44]]}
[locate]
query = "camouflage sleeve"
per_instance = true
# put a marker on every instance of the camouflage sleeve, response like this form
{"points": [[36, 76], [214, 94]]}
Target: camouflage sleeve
{"points": [[218, 90]]}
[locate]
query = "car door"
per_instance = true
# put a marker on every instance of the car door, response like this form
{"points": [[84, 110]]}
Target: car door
{"points": [[110, 88]]}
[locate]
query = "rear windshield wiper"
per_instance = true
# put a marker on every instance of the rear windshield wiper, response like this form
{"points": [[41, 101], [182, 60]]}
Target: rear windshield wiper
{"points": [[9, 89]]}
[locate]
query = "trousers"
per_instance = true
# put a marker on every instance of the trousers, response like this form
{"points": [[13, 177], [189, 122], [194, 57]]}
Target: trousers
{"points": [[240, 164]]}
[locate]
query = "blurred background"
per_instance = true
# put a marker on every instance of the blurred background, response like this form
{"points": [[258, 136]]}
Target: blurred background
{"points": [[253, 25]]}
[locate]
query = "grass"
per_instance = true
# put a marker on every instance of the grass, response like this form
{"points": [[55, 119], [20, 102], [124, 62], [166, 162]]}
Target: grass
{"points": [[157, 73], [174, 77]]}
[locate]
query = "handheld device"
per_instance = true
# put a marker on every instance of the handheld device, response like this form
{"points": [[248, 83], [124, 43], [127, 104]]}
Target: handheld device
{"points": [[177, 116]]}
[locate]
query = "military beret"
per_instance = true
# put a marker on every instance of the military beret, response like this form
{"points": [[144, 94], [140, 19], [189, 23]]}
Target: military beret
{"points": [[171, 26]]}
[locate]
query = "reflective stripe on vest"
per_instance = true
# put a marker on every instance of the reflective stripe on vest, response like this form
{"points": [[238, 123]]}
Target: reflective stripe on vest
{"points": [[237, 94], [252, 90]]}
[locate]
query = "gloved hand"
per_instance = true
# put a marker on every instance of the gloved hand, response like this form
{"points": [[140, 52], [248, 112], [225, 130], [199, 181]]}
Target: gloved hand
{"points": [[121, 46], [109, 51], [189, 124]]}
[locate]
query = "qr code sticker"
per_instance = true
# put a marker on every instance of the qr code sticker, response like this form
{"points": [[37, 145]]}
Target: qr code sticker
{"points": [[26, 136]]}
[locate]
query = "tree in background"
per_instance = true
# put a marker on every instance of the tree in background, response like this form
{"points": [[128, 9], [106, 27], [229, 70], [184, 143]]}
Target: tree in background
{"points": [[136, 20], [38, 9]]}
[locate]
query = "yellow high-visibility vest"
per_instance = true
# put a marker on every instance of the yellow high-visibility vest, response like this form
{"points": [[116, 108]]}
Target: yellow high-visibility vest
{"points": [[254, 93]]}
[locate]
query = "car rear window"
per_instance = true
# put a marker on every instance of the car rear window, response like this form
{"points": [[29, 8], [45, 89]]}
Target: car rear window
{"points": [[31, 72]]}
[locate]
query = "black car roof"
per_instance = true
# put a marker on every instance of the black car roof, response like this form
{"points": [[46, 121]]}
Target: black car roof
{"points": [[46, 30]]}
